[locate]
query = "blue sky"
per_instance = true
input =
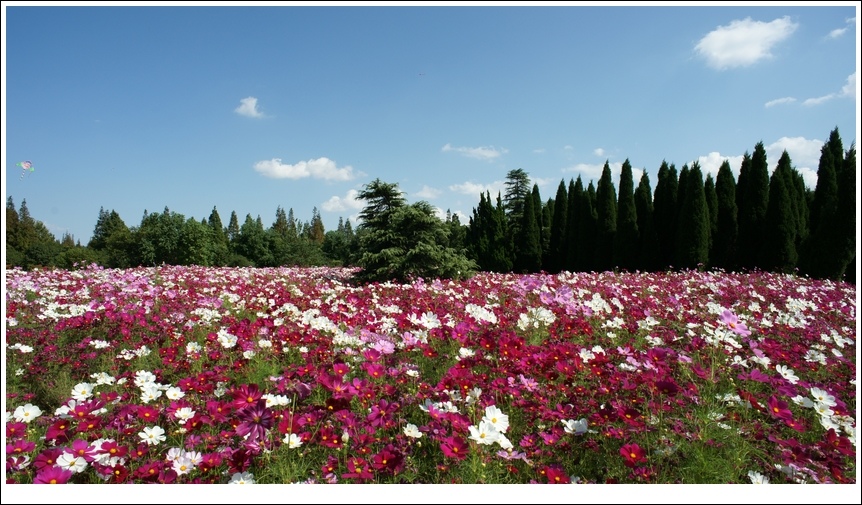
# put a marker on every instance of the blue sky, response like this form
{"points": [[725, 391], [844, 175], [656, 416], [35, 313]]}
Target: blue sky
{"points": [[246, 109]]}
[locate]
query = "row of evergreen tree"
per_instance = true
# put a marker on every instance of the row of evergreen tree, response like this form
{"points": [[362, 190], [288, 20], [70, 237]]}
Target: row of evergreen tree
{"points": [[759, 221], [756, 222]]}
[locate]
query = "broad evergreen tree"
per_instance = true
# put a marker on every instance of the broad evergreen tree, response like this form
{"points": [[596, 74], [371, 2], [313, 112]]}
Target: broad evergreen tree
{"points": [[818, 253], [724, 243], [626, 238], [606, 224], [692, 238]]}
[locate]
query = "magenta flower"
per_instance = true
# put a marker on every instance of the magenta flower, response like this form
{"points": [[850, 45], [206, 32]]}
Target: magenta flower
{"points": [[632, 454], [53, 475], [454, 447], [256, 420]]}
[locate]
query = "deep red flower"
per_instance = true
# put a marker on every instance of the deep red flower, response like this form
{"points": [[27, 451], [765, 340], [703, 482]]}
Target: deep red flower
{"points": [[556, 475], [632, 454], [454, 447]]}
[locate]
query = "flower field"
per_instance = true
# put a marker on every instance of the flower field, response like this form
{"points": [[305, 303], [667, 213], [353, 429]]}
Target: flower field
{"points": [[281, 375]]}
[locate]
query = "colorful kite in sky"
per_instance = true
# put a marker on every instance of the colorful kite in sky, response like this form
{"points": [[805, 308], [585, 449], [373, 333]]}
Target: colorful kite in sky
{"points": [[26, 167]]}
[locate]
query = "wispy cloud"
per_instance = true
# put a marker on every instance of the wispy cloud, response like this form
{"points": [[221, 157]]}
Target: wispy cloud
{"points": [[441, 214], [539, 151], [321, 168], [779, 101], [248, 108], [599, 151], [428, 192], [848, 90], [488, 153], [743, 42], [341, 204]]}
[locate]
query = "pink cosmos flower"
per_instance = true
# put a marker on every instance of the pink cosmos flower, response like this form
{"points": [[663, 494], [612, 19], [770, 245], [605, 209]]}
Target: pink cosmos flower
{"points": [[53, 475], [730, 320]]}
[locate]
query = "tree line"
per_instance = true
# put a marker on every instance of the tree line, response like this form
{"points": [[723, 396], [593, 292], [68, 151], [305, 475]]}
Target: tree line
{"points": [[772, 223]]}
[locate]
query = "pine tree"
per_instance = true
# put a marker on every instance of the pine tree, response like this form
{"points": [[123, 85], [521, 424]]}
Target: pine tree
{"points": [[724, 243], [647, 240], [627, 237], [692, 238], [517, 190], [664, 213], [316, 230], [606, 223], [587, 231], [557, 256], [817, 252]]}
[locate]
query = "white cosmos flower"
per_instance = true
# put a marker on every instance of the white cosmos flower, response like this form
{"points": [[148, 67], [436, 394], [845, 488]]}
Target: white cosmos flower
{"points": [[412, 431], [292, 440], [183, 465], [496, 418], [26, 413], [82, 391], [242, 478], [757, 477], [174, 393], [183, 414], [484, 434], [787, 373], [75, 464], [576, 427], [153, 436], [822, 396], [150, 392]]}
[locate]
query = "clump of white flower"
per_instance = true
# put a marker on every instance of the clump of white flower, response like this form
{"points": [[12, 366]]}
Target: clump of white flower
{"points": [[193, 348], [226, 339], [99, 344], [534, 317]]}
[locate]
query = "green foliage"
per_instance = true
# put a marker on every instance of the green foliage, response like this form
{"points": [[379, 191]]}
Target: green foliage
{"points": [[723, 253], [778, 252], [664, 205], [753, 194], [559, 226], [692, 238], [627, 236], [606, 221], [401, 242], [647, 239]]}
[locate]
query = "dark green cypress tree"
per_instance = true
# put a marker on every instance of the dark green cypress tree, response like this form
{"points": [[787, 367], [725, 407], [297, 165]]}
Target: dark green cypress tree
{"points": [[528, 255], [664, 213], [846, 218], [575, 194], [557, 255], [648, 240], [778, 247], [712, 206], [724, 243], [501, 248], [626, 238], [606, 221], [752, 210], [817, 252], [587, 229], [692, 238]]}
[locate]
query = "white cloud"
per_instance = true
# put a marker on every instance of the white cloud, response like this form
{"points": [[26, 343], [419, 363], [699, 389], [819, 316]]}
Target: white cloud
{"points": [[710, 164], [849, 89], [339, 204], [539, 151], [248, 108], [567, 148], [428, 192], [441, 214], [778, 101], [599, 151], [834, 34], [480, 153], [743, 42], [475, 189], [804, 156], [321, 168], [593, 172]]}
